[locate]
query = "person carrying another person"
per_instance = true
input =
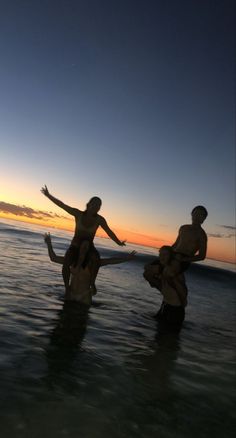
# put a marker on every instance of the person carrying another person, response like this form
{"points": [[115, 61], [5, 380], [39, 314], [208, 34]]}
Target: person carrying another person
{"points": [[80, 281], [164, 276], [82, 248]]}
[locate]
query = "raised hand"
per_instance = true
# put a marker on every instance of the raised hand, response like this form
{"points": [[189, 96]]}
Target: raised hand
{"points": [[131, 255], [47, 238], [44, 190]]}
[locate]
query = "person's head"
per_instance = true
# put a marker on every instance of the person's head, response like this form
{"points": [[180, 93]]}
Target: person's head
{"points": [[165, 255], [94, 205], [199, 214]]}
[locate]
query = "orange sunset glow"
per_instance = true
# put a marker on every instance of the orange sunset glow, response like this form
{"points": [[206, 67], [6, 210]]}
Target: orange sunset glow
{"points": [[218, 249], [67, 224]]}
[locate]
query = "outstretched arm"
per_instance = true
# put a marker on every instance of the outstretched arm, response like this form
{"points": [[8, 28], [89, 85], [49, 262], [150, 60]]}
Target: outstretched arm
{"points": [[53, 257], [70, 210], [106, 228], [116, 260]]}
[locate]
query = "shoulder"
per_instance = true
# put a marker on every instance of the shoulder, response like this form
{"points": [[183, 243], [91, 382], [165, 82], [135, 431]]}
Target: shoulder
{"points": [[203, 234], [101, 220], [184, 227], [78, 213]]}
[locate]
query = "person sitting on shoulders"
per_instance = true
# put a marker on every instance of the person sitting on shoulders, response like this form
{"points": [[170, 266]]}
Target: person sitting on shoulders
{"points": [[86, 224], [191, 243]]}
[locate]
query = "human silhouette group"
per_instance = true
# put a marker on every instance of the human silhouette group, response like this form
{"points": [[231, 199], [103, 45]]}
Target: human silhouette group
{"points": [[82, 261]]}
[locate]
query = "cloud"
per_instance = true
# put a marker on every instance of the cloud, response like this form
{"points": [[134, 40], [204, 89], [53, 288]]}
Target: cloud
{"points": [[218, 235], [228, 227], [28, 212], [221, 236], [224, 236]]}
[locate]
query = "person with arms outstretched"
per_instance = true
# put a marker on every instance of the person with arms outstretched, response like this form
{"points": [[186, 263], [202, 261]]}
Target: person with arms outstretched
{"points": [[80, 290], [82, 248]]}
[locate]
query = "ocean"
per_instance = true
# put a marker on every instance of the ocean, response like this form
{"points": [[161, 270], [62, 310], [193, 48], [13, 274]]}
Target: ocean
{"points": [[109, 373]]}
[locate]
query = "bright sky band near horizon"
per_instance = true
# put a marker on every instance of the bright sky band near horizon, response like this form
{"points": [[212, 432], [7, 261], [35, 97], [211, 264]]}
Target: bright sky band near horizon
{"points": [[131, 101]]}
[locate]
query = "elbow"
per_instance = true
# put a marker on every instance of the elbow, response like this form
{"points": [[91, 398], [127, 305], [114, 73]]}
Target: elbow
{"points": [[201, 257]]}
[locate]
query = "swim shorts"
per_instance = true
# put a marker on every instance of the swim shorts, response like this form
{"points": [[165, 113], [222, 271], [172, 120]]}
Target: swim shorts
{"points": [[170, 318]]}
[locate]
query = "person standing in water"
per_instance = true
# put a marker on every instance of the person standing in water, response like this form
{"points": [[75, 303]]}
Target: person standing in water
{"points": [[80, 290], [171, 283], [166, 273], [82, 248]]}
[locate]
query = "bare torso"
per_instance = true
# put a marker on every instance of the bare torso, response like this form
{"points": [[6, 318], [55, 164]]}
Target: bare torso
{"points": [[190, 239], [85, 227], [176, 293]]}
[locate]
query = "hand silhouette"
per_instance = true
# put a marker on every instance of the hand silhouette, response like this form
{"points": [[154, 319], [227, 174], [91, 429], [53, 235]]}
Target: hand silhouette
{"points": [[44, 190], [47, 238], [131, 255]]}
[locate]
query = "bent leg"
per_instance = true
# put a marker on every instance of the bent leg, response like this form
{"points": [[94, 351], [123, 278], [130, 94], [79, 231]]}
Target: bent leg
{"points": [[70, 258], [94, 268]]}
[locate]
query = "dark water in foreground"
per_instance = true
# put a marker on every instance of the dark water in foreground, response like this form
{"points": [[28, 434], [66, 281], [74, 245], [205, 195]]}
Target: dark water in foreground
{"points": [[107, 373]]}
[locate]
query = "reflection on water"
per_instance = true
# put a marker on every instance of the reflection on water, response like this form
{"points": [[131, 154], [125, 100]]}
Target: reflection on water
{"points": [[65, 341], [106, 371]]}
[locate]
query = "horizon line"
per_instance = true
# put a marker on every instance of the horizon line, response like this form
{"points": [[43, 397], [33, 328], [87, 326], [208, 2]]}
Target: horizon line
{"points": [[105, 237]]}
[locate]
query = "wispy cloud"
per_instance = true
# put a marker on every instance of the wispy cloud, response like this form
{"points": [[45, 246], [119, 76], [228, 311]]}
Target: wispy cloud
{"points": [[218, 235], [224, 236], [22, 210], [228, 227]]}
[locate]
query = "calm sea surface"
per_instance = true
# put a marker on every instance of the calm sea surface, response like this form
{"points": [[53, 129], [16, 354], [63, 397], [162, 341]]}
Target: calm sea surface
{"points": [[108, 373]]}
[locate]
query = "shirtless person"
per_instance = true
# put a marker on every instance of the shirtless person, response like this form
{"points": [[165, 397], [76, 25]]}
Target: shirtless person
{"points": [[172, 286], [80, 290], [82, 247], [191, 243]]}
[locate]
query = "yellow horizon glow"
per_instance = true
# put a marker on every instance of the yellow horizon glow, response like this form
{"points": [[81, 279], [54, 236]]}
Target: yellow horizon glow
{"points": [[216, 250]]}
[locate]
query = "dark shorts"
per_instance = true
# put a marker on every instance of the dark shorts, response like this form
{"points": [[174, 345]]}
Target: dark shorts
{"points": [[72, 255], [170, 318], [184, 266]]}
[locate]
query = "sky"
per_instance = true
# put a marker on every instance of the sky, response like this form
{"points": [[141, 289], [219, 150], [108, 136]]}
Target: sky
{"points": [[132, 101]]}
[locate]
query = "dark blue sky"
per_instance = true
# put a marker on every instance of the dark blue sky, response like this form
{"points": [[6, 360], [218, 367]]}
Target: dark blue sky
{"points": [[133, 100]]}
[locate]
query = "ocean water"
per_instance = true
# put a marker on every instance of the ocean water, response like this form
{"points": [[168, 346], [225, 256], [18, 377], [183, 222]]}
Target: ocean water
{"points": [[108, 373]]}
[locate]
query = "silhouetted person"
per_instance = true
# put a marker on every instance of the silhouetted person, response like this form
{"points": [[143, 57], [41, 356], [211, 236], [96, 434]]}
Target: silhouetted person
{"points": [[80, 290], [191, 243], [162, 275], [82, 247]]}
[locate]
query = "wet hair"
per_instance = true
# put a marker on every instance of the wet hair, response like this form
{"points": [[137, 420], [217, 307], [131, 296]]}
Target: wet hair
{"points": [[200, 207]]}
